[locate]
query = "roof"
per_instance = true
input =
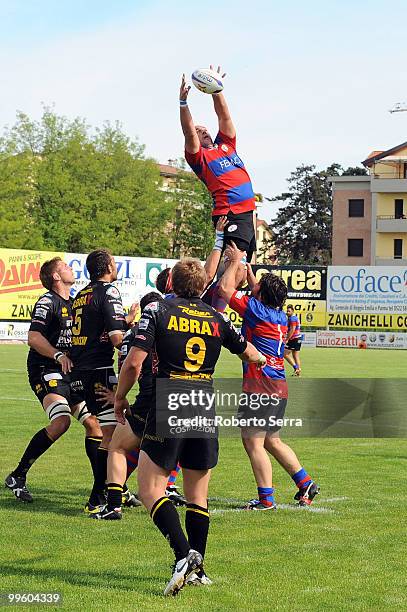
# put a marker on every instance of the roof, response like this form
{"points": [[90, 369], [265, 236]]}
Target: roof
{"points": [[378, 155], [168, 170]]}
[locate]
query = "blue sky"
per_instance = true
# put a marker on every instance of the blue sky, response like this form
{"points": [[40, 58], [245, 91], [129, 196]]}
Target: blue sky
{"points": [[307, 83]]}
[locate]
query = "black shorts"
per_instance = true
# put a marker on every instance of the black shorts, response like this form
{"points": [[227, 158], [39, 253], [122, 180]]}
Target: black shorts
{"points": [[51, 380], [262, 417], [294, 345], [137, 414], [240, 229], [87, 382], [191, 453]]}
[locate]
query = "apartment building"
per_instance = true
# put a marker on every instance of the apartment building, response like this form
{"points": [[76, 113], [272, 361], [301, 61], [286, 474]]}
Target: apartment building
{"points": [[370, 212]]}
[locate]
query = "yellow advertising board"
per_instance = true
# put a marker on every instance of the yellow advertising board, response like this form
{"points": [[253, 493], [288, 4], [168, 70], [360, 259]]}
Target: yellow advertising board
{"points": [[311, 313], [362, 320], [20, 284], [306, 291]]}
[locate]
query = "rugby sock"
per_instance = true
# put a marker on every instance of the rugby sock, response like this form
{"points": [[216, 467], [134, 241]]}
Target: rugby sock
{"points": [[266, 495], [91, 447], [99, 484], [197, 527], [166, 518], [132, 461], [114, 496], [301, 478], [39, 443], [295, 366], [173, 476]]}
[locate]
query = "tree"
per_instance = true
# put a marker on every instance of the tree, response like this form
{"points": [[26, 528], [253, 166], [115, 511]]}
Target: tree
{"points": [[17, 227], [80, 189], [191, 229], [354, 171], [302, 228]]}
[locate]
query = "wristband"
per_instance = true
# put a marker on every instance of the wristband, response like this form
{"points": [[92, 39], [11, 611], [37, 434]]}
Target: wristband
{"points": [[183, 103], [57, 356], [218, 246]]}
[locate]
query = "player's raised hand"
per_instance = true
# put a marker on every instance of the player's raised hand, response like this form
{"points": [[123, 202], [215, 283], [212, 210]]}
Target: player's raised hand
{"points": [[251, 279], [184, 89], [133, 310], [232, 253], [218, 71], [120, 408], [222, 223]]}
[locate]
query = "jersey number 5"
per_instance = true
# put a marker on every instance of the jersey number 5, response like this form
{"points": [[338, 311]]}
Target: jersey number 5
{"points": [[195, 350], [77, 325]]}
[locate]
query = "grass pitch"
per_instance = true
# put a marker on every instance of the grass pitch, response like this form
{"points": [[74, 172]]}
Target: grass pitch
{"points": [[346, 552]]}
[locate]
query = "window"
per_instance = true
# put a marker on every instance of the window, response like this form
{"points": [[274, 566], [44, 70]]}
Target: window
{"points": [[356, 208], [405, 170], [398, 209], [355, 247], [398, 248]]}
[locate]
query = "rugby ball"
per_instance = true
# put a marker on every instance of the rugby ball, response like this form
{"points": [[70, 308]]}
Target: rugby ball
{"points": [[208, 81]]}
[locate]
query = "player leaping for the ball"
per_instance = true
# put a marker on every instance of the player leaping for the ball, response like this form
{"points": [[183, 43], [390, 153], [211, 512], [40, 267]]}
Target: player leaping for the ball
{"points": [[219, 167]]}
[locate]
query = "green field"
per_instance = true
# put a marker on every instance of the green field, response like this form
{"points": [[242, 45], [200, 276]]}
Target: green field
{"points": [[345, 552]]}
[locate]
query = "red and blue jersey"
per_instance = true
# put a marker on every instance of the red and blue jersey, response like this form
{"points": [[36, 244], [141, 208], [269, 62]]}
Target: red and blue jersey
{"points": [[266, 329], [294, 323], [224, 174]]}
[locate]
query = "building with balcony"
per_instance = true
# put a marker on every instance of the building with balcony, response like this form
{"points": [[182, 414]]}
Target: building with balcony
{"points": [[369, 224]]}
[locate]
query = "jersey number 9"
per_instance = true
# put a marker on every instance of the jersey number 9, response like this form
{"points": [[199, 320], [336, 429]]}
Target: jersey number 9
{"points": [[195, 350]]}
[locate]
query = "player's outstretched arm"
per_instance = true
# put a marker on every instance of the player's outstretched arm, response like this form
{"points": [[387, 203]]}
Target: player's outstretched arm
{"points": [[213, 259], [222, 111], [252, 355], [232, 275], [192, 143], [128, 376], [251, 279]]}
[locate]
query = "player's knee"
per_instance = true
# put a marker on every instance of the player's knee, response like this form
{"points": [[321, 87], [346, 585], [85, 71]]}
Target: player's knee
{"points": [[58, 427], [251, 443], [92, 427], [116, 446], [107, 433], [59, 415], [81, 413], [145, 493], [273, 443]]}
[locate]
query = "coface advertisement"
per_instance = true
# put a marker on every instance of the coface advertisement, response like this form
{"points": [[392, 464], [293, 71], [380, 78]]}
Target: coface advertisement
{"points": [[369, 289]]}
